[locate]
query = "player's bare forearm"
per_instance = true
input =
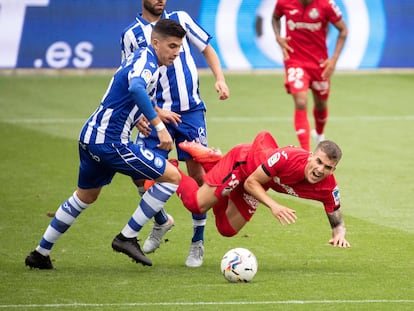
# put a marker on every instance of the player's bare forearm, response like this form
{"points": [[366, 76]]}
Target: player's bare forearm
{"points": [[338, 229], [283, 42], [340, 41], [214, 63], [254, 185], [335, 218]]}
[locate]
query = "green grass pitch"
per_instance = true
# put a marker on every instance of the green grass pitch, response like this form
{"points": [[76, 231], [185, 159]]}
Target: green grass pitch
{"points": [[371, 118]]}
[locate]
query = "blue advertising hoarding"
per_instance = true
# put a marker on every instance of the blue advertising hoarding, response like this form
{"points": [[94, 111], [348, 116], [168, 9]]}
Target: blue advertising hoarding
{"points": [[85, 33]]}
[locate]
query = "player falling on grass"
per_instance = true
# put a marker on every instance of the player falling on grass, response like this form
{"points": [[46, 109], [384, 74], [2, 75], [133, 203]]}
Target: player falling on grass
{"points": [[305, 54], [236, 184], [179, 106], [105, 147]]}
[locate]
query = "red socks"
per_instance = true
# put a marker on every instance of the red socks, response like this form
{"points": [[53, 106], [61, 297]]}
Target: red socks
{"points": [[302, 128], [187, 192], [320, 120]]}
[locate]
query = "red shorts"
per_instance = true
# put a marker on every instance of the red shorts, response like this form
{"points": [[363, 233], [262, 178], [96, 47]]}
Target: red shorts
{"points": [[229, 174], [245, 203], [300, 79]]}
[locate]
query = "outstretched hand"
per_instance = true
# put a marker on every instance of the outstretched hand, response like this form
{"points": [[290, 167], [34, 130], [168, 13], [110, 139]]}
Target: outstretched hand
{"points": [[338, 237], [286, 216]]}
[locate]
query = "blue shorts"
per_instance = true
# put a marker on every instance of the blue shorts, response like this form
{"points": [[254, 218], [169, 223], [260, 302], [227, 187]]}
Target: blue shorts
{"points": [[192, 128], [99, 163]]}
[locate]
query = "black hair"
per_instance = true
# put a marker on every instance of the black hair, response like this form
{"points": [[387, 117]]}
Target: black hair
{"points": [[169, 28]]}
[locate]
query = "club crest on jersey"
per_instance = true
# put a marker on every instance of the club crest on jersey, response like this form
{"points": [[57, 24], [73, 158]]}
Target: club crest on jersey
{"points": [[146, 75], [314, 14]]}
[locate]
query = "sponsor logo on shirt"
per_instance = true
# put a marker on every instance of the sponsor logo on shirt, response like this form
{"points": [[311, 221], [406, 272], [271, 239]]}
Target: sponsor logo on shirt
{"points": [[288, 189], [300, 25], [252, 202], [158, 162]]}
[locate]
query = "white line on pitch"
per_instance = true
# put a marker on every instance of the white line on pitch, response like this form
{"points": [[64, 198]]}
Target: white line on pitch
{"points": [[212, 303]]}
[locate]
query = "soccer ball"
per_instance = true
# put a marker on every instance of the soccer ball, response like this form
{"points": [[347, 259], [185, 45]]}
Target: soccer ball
{"points": [[239, 265]]}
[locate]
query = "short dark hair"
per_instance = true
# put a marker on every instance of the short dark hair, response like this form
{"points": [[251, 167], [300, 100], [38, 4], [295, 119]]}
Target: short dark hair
{"points": [[331, 149], [169, 28]]}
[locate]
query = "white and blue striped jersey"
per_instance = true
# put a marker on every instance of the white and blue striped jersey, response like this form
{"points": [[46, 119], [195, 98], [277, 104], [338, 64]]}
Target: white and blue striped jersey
{"points": [[118, 112], [178, 86]]}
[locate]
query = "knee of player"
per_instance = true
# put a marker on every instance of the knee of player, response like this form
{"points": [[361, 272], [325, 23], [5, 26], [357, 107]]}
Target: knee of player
{"points": [[175, 176], [227, 232], [301, 102], [206, 198], [203, 206], [171, 175], [87, 196]]}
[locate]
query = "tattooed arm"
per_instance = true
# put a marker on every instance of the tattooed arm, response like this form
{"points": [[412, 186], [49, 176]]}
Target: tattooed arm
{"points": [[338, 229]]}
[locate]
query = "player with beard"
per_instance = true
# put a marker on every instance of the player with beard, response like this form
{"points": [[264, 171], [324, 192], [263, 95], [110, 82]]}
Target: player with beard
{"points": [[105, 148], [179, 105]]}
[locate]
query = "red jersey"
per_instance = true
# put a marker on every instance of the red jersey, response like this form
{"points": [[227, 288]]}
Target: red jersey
{"points": [[241, 161], [287, 167], [307, 27]]}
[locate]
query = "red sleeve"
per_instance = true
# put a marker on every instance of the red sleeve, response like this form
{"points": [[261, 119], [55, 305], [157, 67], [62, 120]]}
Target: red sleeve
{"points": [[333, 12], [333, 200], [276, 162], [287, 163], [278, 11]]}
